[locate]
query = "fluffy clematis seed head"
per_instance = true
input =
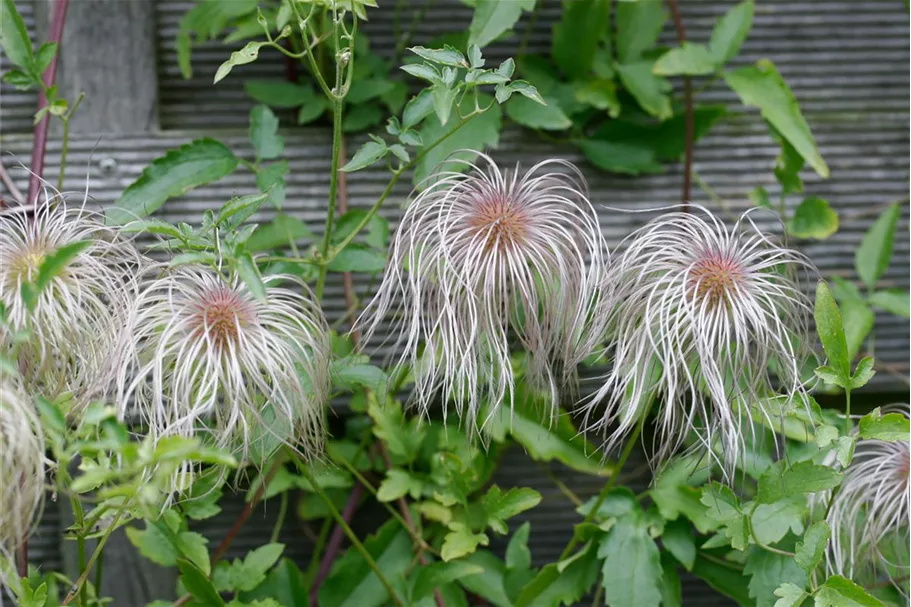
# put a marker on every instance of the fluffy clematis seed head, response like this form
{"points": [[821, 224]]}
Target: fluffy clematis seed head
{"points": [[484, 260], [76, 318], [21, 465], [202, 356], [700, 313], [870, 516]]}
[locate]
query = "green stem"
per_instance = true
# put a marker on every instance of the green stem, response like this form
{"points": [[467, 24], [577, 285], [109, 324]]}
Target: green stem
{"points": [[633, 439], [313, 567], [848, 423], [99, 572], [352, 537], [282, 512], [333, 192], [65, 145], [79, 585], [395, 179]]}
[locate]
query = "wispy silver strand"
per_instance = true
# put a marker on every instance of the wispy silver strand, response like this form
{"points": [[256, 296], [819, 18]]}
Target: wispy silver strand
{"points": [[481, 258], [699, 314], [77, 317], [870, 516], [203, 356]]}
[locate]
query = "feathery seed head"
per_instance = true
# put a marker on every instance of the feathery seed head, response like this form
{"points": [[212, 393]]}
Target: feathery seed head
{"points": [[870, 517], [492, 254], [202, 355], [75, 320], [699, 313], [21, 465]]}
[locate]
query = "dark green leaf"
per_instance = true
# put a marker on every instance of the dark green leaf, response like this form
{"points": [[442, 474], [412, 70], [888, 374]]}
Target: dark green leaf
{"points": [[810, 550], [247, 574], [285, 583], [631, 159], [671, 591], [872, 256], [814, 218], [638, 26], [631, 574], [14, 38], [534, 115], [518, 556], [727, 580], [367, 89], [279, 93], [674, 496], [197, 583], [831, 331], [420, 106], [767, 571], [841, 592], [649, 90], [194, 164], [888, 427], [312, 110], [369, 153], [802, 477], [730, 32], [282, 230], [689, 59], [489, 584], [271, 180], [562, 583], [352, 372], [493, 18], [895, 301], [577, 35], [678, 540], [436, 575], [361, 117], [763, 87], [357, 257]]}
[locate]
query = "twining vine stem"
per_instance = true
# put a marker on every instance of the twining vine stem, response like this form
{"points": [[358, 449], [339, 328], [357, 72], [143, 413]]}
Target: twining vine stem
{"points": [[690, 120]]}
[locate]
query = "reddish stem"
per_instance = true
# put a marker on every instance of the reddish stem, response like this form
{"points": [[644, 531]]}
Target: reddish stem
{"points": [[690, 120], [335, 543], [39, 146]]}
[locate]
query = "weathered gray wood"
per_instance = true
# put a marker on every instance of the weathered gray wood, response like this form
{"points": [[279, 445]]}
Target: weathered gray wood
{"points": [[108, 53]]}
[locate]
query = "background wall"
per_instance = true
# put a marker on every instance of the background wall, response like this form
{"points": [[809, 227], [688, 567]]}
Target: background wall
{"points": [[846, 61]]}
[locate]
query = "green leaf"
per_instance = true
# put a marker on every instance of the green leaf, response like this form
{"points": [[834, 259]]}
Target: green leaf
{"points": [[247, 574], [671, 591], [402, 438], [443, 98], [368, 153], [197, 583], [249, 273], [649, 90], [840, 592], [500, 506], [724, 507], [14, 38], [285, 583], [357, 257], [857, 319], [247, 54], [196, 163], [361, 117], [888, 427], [477, 134], [810, 550], [760, 197], [399, 483], [461, 541], [239, 209], [771, 522], [872, 256], [814, 218], [352, 583], [280, 93], [270, 179], [802, 477], [489, 584], [153, 226], [493, 18], [534, 115], [895, 301], [312, 110], [153, 544], [577, 35], [678, 540], [763, 87], [562, 583], [674, 496], [831, 331], [352, 372], [601, 94], [767, 571], [725, 579], [419, 107], [730, 32], [518, 556], [436, 575], [264, 133], [630, 159], [278, 233], [638, 26], [689, 59], [790, 595], [631, 574], [448, 55]]}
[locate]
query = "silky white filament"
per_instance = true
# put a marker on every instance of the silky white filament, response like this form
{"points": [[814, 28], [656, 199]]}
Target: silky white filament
{"points": [[700, 313], [203, 356], [485, 256]]}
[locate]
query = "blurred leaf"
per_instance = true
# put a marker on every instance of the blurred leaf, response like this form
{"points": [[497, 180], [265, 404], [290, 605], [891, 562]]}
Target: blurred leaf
{"points": [[15, 41], [814, 218], [435, 575], [689, 59], [678, 540], [357, 257], [858, 321], [638, 26], [763, 87], [728, 580], [461, 541], [831, 331], [871, 258], [197, 583], [399, 483], [355, 371], [577, 35], [51, 267], [493, 18], [361, 117], [671, 591], [271, 180], [280, 93], [249, 273], [600, 94], [490, 583], [197, 163], [264, 133], [895, 301], [888, 427], [534, 115], [767, 571], [403, 438], [278, 233], [730, 32], [802, 477], [562, 583], [284, 583], [239, 209], [810, 550], [650, 91]]}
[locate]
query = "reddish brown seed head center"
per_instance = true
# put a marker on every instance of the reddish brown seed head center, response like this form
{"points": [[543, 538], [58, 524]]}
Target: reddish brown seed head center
{"points": [[220, 315], [714, 278], [499, 223]]}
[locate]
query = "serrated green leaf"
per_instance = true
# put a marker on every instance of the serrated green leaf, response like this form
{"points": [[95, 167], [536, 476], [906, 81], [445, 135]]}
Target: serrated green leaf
{"points": [[810, 550], [461, 541], [419, 107], [767, 571], [831, 331], [730, 32], [724, 507], [435, 575], [841, 592], [500, 506], [888, 427], [368, 153], [872, 256], [771, 522], [790, 595], [632, 572], [357, 257], [763, 87], [197, 163], [446, 56], [278, 233], [399, 483], [802, 477]]}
